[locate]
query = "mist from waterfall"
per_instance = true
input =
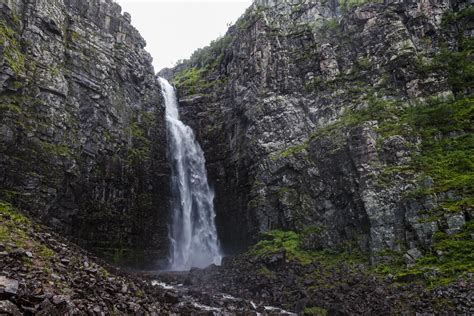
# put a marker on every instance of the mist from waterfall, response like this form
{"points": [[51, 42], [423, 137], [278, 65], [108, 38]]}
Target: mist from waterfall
{"points": [[193, 233]]}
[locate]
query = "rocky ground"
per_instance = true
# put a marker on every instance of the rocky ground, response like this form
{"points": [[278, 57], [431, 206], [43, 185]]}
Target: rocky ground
{"points": [[322, 288], [41, 273]]}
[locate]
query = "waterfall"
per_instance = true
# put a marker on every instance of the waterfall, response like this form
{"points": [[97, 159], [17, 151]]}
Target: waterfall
{"points": [[193, 232]]}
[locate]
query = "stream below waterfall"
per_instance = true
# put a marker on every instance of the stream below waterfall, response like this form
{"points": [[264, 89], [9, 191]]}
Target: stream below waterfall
{"points": [[212, 302]]}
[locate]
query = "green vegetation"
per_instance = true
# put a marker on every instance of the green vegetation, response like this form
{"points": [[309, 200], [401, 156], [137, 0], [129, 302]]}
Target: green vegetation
{"points": [[249, 18], [460, 78], [447, 133], [459, 64], [324, 26], [447, 153], [123, 256], [267, 272], [137, 155], [12, 50], [451, 257], [447, 156], [10, 107], [45, 252], [55, 149], [315, 311], [195, 77], [277, 240], [211, 55], [14, 230], [7, 210], [141, 149], [290, 243], [452, 18], [291, 151], [195, 80], [192, 80], [348, 5], [364, 63], [75, 37]]}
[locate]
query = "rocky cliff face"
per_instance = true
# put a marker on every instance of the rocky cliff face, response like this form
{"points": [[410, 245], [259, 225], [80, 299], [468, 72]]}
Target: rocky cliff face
{"points": [[81, 128], [349, 122], [324, 117]]}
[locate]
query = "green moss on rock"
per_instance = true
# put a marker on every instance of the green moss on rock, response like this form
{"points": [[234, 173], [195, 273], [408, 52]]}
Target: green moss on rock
{"points": [[451, 257], [12, 52], [315, 311], [290, 243]]}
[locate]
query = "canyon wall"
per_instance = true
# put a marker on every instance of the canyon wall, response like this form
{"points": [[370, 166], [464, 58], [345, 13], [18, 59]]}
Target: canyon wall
{"points": [[83, 139], [309, 113], [348, 122]]}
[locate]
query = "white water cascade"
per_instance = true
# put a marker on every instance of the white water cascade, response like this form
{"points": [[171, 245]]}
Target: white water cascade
{"points": [[193, 232]]}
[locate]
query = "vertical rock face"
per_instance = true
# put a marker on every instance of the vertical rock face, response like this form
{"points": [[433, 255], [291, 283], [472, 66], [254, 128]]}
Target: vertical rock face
{"points": [[277, 106], [82, 137]]}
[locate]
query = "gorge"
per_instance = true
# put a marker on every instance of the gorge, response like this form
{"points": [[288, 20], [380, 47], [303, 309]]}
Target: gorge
{"points": [[337, 138]]}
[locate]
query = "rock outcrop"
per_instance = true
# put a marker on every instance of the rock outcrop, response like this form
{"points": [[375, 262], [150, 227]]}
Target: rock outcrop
{"points": [[82, 138], [301, 109]]}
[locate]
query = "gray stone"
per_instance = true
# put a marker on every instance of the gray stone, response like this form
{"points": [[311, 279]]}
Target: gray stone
{"points": [[59, 299], [124, 288], [412, 255], [455, 223], [8, 286]]}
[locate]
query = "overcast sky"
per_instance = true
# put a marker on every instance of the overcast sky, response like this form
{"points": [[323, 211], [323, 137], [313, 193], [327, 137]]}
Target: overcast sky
{"points": [[174, 29]]}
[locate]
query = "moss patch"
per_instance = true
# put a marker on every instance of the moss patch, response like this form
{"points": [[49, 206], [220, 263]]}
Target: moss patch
{"points": [[201, 72], [290, 243], [291, 151], [448, 143], [315, 311], [192, 80], [11, 48], [352, 4], [451, 257], [15, 230]]}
